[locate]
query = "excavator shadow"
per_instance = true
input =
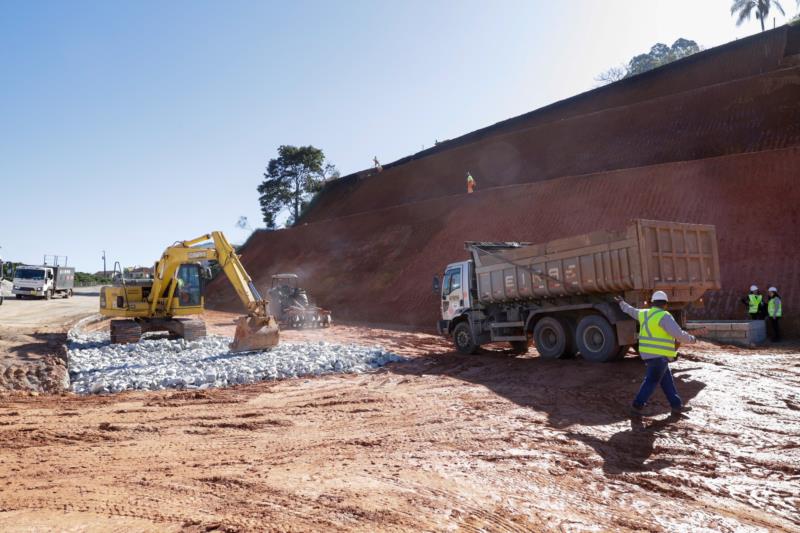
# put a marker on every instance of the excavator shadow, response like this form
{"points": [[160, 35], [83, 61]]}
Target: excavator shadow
{"points": [[574, 394]]}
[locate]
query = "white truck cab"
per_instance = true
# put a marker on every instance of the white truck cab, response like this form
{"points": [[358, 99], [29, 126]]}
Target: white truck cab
{"points": [[455, 289], [43, 281]]}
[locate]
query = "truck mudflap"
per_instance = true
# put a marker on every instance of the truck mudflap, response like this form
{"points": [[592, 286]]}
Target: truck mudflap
{"points": [[626, 332], [443, 327]]}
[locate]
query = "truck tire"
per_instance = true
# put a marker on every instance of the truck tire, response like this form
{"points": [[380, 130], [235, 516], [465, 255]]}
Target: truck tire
{"points": [[597, 341], [68, 294], [462, 338], [519, 347], [19, 297], [551, 338]]}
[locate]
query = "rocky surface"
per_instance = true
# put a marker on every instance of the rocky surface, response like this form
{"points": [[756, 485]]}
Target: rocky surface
{"points": [[97, 366]]}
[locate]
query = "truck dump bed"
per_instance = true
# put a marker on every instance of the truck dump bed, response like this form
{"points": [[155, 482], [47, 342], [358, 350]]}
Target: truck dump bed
{"points": [[680, 259]]}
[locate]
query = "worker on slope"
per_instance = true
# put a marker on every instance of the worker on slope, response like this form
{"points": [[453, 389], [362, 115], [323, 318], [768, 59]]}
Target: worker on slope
{"points": [[377, 164], [658, 332], [754, 303], [774, 313], [470, 183]]}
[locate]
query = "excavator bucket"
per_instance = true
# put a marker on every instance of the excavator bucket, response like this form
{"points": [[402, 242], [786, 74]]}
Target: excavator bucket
{"points": [[255, 333]]}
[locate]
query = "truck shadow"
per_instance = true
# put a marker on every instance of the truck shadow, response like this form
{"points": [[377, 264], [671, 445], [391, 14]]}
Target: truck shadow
{"points": [[573, 394]]}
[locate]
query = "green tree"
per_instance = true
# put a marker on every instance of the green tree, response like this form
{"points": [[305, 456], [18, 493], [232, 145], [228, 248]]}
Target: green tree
{"points": [[291, 180], [743, 9], [660, 54]]}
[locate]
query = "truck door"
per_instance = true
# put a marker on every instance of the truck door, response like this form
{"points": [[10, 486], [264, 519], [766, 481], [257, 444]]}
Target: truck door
{"points": [[452, 292]]}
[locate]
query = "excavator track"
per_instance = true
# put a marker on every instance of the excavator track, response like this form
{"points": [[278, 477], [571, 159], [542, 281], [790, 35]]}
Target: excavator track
{"points": [[125, 331], [190, 329]]}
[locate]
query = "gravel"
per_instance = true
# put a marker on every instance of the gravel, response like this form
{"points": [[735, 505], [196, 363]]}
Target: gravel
{"points": [[97, 366]]}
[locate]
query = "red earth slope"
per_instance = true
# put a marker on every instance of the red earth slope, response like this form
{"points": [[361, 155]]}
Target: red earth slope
{"points": [[377, 267]]}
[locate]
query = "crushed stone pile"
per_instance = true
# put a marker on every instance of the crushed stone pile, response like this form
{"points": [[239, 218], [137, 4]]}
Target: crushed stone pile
{"points": [[97, 366]]}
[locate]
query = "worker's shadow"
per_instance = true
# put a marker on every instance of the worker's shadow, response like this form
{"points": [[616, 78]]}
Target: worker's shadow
{"points": [[573, 393], [630, 450]]}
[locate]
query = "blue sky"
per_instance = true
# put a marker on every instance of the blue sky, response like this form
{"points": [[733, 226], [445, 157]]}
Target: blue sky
{"points": [[126, 126]]}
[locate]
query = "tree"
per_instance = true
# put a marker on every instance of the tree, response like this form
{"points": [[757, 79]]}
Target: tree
{"points": [[660, 54], [611, 75], [291, 180], [744, 8]]}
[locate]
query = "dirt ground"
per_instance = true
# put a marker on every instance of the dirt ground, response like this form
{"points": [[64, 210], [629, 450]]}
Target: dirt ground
{"points": [[439, 442], [32, 334]]}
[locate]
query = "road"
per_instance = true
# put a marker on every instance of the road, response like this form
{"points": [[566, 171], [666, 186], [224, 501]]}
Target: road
{"points": [[53, 314], [32, 335], [438, 442]]}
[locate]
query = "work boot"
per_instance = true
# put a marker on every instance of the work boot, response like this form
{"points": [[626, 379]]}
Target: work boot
{"points": [[677, 411], [637, 412]]}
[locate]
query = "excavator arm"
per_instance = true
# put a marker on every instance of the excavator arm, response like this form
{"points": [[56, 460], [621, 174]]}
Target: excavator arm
{"points": [[242, 283]]}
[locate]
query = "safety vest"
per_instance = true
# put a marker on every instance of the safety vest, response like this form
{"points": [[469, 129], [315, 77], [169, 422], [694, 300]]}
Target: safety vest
{"points": [[653, 340], [755, 301], [774, 308]]}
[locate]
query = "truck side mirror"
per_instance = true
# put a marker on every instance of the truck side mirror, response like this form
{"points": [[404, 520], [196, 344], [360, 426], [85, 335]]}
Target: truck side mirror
{"points": [[436, 284]]}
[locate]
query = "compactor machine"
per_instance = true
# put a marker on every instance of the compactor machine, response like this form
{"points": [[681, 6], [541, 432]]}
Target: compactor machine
{"points": [[167, 300], [291, 306]]}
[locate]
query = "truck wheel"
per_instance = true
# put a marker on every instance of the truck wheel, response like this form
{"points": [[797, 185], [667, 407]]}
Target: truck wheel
{"points": [[550, 338], [596, 339], [462, 338], [68, 294], [19, 297], [519, 347]]}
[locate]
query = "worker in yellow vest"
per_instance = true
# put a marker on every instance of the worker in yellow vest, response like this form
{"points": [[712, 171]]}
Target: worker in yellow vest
{"points": [[754, 303], [658, 332], [774, 313]]}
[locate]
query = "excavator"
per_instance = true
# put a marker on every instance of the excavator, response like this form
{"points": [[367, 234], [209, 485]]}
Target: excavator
{"points": [[165, 301]]}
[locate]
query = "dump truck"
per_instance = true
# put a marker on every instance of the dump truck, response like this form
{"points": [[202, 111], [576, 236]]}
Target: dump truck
{"points": [[559, 295], [43, 281]]}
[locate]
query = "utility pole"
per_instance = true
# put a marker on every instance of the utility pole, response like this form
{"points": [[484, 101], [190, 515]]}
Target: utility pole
{"points": [[104, 264]]}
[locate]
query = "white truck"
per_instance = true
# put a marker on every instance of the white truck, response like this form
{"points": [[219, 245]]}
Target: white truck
{"points": [[43, 281]]}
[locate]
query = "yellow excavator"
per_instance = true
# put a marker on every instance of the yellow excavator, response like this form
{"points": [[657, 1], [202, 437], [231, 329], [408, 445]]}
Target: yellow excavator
{"points": [[165, 301]]}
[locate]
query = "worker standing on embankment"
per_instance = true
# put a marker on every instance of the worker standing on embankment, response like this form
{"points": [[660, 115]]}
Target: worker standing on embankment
{"points": [[658, 332], [470, 183]]}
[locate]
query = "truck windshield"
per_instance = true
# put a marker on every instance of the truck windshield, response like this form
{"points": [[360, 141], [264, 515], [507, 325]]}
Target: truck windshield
{"points": [[29, 273]]}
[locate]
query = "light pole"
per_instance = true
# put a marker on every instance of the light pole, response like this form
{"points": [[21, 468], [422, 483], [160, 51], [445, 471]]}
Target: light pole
{"points": [[104, 264]]}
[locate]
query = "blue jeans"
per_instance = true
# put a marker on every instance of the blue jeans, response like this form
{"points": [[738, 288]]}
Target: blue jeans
{"points": [[657, 374]]}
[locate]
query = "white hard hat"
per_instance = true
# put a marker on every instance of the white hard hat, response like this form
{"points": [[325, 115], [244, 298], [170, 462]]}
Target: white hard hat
{"points": [[659, 295], [772, 289], [753, 288]]}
